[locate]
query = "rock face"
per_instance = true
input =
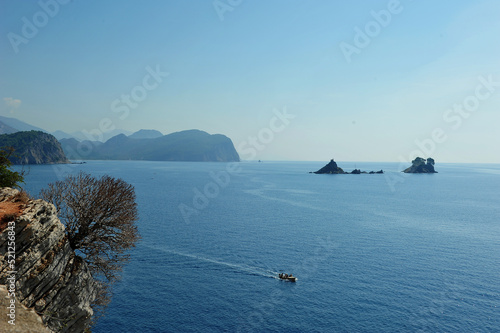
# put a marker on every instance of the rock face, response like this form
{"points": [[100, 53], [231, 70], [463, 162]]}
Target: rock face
{"points": [[34, 147], [50, 278], [419, 165]]}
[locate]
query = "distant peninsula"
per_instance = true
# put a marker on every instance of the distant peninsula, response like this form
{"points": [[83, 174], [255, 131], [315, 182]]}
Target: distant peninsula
{"points": [[333, 168], [33, 147], [419, 165], [190, 145]]}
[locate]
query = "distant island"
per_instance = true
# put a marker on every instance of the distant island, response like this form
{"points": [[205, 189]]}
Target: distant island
{"points": [[150, 145], [33, 147], [419, 165], [333, 168]]}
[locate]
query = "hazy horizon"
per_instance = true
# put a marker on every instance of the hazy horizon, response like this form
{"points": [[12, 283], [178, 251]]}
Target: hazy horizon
{"points": [[370, 81]]}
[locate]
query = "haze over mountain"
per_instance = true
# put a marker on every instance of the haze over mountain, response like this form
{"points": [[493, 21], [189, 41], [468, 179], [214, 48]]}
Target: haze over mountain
{"points": [[146, 134], [103, 137], [6, 129], [62, 135], [17, 125], [12, 125]]}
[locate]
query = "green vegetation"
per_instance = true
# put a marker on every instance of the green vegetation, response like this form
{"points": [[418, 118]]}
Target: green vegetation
{"points": [[9, 178], [418, 161], [20, 140]]}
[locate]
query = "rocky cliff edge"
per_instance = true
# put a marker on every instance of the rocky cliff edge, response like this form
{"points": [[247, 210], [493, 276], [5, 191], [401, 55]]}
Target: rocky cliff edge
{"points": [[49, 278]]}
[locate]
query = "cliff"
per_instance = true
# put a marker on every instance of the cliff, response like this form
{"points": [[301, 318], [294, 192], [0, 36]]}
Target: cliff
{"points": [[50, 279], [34, 147], [192, 146], [419, 165]]}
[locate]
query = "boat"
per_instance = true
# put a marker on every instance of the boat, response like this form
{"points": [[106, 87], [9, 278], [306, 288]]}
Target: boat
{"points": [[286, 277]]}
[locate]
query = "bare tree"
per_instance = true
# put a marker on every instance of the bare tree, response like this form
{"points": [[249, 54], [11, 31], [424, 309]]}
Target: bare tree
{"points": [[99, 215]]}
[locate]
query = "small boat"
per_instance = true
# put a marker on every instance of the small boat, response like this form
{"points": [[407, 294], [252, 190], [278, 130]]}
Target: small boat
{"points": [[287, 277]]}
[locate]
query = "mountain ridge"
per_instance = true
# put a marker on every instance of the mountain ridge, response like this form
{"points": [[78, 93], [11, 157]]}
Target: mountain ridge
{"points": [[189, 145]]}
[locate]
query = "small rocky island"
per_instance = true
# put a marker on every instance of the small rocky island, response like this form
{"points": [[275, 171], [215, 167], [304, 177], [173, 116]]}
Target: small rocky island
{"points": [[333, 168], [419, 165], [330, 168]]}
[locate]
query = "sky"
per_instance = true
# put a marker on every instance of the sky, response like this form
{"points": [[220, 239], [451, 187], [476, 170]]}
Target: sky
{"points": [[284, 79]]}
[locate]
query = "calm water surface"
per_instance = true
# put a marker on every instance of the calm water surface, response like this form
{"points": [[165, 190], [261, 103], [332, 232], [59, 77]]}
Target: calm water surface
{"points": [[422, 255]]}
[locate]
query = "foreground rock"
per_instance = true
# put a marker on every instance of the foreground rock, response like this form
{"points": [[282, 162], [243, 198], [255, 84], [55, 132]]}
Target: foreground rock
{"points": [[333, 168], [50, 278], [419, 165], [27, 320]]}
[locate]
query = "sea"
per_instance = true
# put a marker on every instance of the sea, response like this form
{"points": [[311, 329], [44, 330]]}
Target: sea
{"points": [[386, 252]]}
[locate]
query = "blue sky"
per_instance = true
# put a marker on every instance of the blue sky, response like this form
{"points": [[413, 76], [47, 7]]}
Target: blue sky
{"points": [[232, 64]]}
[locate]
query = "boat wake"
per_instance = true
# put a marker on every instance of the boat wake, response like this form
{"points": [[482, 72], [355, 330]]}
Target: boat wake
{"points": [[252, 270]]}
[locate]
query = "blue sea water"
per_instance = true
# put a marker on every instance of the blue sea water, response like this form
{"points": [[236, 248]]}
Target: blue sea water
{"points": [[372, 253]]}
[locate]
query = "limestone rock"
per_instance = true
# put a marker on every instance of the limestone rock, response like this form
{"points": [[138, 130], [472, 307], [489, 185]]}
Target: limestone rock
{"points": [[27, 320], [50, 278]]}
